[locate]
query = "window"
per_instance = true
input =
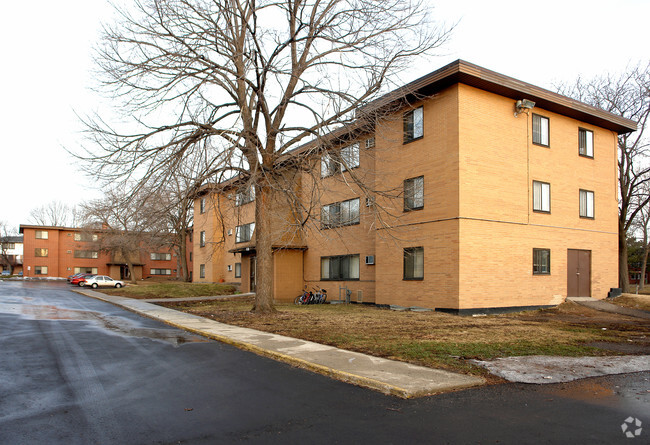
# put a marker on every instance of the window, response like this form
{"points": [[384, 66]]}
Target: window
{"points": [[342, 267], [229, 267], [339, 214], [86, 237], [245, 197], [586, 204], [541, 196], [237, 270], [327, 165], [414, 193], [41, 234], [161, 271], [202, 239], [160, 256], [85, 270], [244, 233], [586, 143], [349, 157], [414, 263], [413, 125], [191, 256], [370, 142], [202, 271], [40, 270], [202, 205], [8, 246], [41, 252], [541, 261], [85, 254], [540, 130]]}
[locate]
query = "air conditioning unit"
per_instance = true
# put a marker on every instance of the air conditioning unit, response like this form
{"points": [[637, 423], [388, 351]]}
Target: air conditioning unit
{"points": [[229, 232], [370, 202], [370, 259]]}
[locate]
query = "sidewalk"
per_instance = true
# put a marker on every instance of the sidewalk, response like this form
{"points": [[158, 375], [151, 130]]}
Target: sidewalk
{"points": [[388, 376], [602, 305]]}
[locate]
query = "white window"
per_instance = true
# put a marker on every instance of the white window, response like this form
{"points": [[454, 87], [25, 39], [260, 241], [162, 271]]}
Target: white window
{"points": [[414, 263], [86, 254], [202, 205], [161, 271], [541, 196], [327, 165], [85, 270], [229, 267], [237, 270], [202, 271], [586, 143], [413, 124], [343, 213], [160, 256], [586, 204], [540, 130], [41, 234], [86, 237], [349, 157], [202, 239], [245, 197], [414, 193], [342, 267], [244, 233], [40, 270]]}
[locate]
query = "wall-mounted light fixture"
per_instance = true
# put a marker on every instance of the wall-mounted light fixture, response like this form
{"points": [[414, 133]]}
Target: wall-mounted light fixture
{"points": [[523, 106]]}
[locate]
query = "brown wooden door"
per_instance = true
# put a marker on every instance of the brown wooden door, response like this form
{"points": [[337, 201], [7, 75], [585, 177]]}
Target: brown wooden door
{"points": [[253, 267], [578, 273]]}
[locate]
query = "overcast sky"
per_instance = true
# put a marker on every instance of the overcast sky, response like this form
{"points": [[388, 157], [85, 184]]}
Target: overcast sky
{"points": [[47, 61]]}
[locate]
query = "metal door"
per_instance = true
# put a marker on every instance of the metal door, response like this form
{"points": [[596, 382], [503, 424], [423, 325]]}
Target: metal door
{"points": [[253, 266], [578, 273]]}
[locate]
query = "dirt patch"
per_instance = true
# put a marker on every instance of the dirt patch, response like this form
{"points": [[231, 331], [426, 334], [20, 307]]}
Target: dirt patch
{"points": [[437, 339]]}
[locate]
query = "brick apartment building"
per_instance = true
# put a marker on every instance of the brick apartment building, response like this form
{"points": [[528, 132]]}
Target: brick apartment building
{"points": [[63, 251], [506, 198]]}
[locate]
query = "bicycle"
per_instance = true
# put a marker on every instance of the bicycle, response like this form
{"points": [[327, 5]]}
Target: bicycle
{"points": [[309, 297]]}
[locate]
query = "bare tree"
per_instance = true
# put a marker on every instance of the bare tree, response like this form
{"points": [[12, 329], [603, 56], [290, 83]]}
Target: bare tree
{"points": [[55, 214], [628, 95], [642, 224], [6, 234], [129, 225], [247, 81]]}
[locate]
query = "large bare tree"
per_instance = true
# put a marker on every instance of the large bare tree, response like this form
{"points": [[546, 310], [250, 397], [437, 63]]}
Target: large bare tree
{"points": [[628, 95], [54, 213], [6, 235], [246, 81]]}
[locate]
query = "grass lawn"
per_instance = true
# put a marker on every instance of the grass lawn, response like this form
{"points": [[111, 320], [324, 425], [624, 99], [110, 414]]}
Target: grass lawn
{"points": [[170, 289], [441, 340], [640, 301]]}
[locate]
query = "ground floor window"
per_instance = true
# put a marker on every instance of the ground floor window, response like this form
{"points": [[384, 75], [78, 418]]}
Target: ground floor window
{"points": [[541, 261], [202, 271], [237, 270], [341, 267], [161, 271], [40, 270], [414, 263], [85, 270]]}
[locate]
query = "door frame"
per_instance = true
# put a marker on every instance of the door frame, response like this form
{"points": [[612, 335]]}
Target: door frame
{"points": [[581, 269]]}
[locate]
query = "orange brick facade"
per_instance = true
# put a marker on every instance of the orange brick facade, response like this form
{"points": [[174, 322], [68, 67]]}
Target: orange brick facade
{"points": [[477, 227], [63, 252]]}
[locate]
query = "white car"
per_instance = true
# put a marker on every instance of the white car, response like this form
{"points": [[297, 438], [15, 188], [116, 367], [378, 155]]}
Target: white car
{"points": [[102, 281]]}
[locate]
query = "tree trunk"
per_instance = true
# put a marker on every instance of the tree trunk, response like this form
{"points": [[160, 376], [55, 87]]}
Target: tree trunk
{"points": [[181, 252], [623, 276], [644, 264], [264, 248]]}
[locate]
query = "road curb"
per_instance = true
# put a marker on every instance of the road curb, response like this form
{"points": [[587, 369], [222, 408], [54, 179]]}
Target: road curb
{"points": [[337, 374]]}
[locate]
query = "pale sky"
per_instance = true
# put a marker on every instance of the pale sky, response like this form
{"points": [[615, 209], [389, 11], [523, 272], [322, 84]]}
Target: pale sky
{"points": [[47, 62]]}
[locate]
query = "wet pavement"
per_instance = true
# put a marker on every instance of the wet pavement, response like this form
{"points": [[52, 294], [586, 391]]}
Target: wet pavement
{"points": [[75, 370]]}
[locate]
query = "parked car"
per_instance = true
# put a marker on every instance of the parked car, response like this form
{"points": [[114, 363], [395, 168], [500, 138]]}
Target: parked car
{"points": [[102, 281], [79, 281], [72, 277]]}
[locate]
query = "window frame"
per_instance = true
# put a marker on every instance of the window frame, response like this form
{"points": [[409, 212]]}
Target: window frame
{"points": [[245, 197], [370, 142], [202, 238], [339, 259], [587, 193], [410, 122], [41, 252], [41, 234], [541, 135], [239, 231], [538, 267], [350, 153], [156, 256], [201, 270], [87, 254], [542, 210], [237, 270], [410, 251], [85, 237], [587, 132], [326, 222], [202, 205], [158, 270], [38, 270], [409, 193]]}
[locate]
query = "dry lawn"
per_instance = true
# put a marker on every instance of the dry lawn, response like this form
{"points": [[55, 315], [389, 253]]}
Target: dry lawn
{"points": [[633, 301], [170, 289], [442, 340]]}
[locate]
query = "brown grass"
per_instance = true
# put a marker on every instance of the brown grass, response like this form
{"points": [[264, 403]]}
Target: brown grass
{"points": [[437, 339], [633, 301]]}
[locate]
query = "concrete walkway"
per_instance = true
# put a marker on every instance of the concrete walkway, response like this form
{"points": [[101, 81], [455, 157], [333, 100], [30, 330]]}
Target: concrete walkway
{"points": [[601, 305], [215, 297], [388, 376]]}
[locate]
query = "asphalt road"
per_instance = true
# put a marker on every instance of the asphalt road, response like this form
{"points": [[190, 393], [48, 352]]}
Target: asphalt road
{"points": [[74, 370]]}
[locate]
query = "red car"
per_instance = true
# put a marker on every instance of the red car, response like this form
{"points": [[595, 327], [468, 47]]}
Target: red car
{"points": [[81, 279]]}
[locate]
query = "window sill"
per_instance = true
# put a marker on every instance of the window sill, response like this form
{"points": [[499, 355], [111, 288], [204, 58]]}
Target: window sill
{"points": [[339, 226], [547, 212], [408, 141], [542, 145], [585, 156], [339, 279], [414, 209], [587, 217], [413, 279], [541, 274]]}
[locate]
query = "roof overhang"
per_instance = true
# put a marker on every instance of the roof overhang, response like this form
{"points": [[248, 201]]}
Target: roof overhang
{"points": [[252, 249]]}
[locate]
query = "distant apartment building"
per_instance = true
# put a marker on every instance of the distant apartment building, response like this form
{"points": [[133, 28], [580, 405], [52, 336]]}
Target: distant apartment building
{"points": [[63, 251], [504, 196], [11, 255]]}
